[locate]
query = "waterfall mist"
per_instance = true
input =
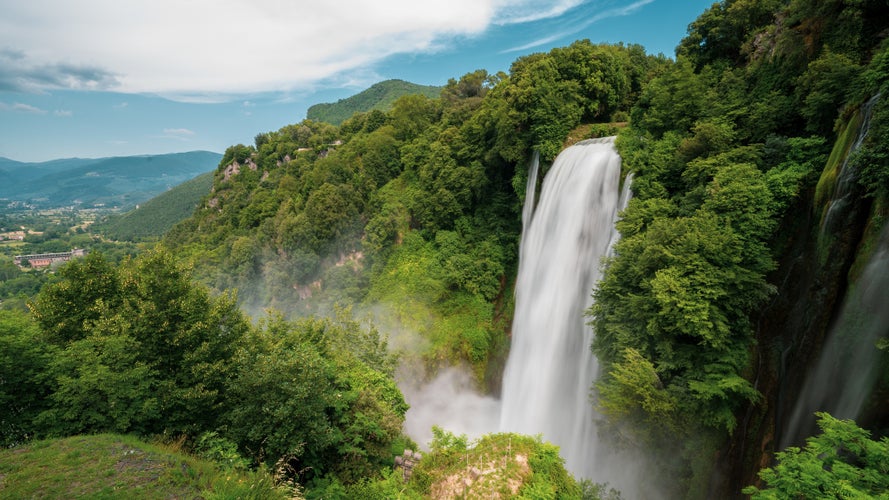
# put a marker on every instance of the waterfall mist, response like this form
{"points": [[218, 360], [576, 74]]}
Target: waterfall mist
{"points": [[449, 401], [547, 380]]}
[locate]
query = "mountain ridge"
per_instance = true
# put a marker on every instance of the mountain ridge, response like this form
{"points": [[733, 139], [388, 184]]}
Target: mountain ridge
{"points": [[122, 181], [379, 96]]}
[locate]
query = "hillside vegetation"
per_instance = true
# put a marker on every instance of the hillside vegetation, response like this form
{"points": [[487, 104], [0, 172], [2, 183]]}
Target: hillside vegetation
{"points": [[380, 96], [155, 217], [414, 212], [115, 466], [727, 145]]}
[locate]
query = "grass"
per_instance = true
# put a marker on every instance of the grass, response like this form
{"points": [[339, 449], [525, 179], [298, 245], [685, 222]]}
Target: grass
{"points": [[114, 466]]}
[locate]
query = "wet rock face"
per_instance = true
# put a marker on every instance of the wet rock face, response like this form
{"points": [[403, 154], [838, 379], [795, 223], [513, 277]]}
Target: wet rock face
{"points": [[812, 280]]}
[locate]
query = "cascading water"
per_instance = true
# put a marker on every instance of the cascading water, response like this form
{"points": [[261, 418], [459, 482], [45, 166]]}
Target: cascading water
{"points": [[842, 378], [550, 367], [530, 192], [845, 374], [848, 176]]}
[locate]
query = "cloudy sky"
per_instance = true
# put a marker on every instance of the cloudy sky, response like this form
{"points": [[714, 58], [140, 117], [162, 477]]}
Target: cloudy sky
{"points": [[95, 78]]}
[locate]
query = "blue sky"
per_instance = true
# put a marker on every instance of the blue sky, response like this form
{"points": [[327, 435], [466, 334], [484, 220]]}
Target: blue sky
{"points": [[98, 78]]}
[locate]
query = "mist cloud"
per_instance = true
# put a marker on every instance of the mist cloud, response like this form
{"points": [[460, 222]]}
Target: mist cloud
{"points": [[450, 401]]}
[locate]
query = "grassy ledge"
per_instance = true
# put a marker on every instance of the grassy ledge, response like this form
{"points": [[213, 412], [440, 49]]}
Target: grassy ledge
{"points": [[115, 466]]}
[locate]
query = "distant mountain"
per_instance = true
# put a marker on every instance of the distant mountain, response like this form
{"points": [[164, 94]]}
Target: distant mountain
{"points": [[379, 96], [114, 182], [156, 216]]}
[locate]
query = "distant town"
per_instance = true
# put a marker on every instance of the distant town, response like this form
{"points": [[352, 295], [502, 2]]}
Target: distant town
{"points": [[41, 260]]}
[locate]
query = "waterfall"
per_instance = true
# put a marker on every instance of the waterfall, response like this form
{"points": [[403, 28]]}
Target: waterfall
{"points": [[550, 367], [530, 192], [849, 365], [847, 180], [845, 372]]}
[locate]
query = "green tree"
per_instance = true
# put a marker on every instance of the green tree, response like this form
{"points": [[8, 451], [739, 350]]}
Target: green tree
{"points": [[24, 359], [100, 384], [841, 462], [66, 309], [824, 88], [720, 33], [283, 389], [319, 395], [674, 100], [184, 334], [150, 353]]}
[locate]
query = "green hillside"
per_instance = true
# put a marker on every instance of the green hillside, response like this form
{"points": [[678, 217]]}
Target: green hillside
{"points": [[116, 466], [156, 216], [379, 96]]}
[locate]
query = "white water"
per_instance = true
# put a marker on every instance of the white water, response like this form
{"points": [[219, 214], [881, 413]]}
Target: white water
{"points": [[844, 376], [848, 177], [849, 365], [550, 368]]}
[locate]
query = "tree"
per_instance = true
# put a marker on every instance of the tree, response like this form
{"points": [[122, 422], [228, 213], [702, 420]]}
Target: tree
{"points": [[824, 88], [100, 384], [674, 100], [141, 347], [66, 309], [184, 334], [720, 32], [24, 359], [319, 395], [283, 388], [841, 462]]}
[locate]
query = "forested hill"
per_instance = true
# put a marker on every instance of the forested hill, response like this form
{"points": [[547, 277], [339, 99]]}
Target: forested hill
{"points": [[152, 219], [417, 205], [380, 96]]}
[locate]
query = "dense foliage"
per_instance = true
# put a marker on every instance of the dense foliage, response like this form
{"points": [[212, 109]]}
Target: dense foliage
{"points": [[841, 462], [380, 96], [152, 219], [495, 466], [412, 211], [722, 143], [138, 348], [414, 208]]}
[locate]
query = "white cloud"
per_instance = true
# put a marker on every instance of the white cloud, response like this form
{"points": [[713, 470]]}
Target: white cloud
{"points": [[213, 49], [582, 23], [22, 108], [63, 113], [179, 133], [522, 11]]}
